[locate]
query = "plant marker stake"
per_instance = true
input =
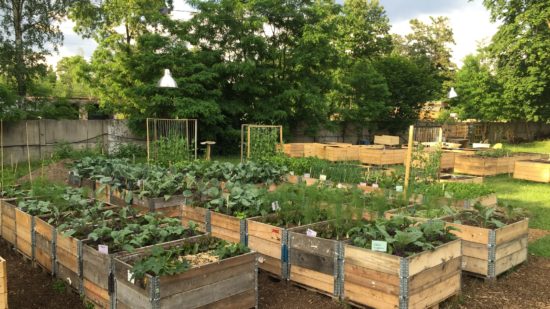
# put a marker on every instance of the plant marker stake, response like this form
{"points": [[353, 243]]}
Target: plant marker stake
{"points": [[28, 151]]}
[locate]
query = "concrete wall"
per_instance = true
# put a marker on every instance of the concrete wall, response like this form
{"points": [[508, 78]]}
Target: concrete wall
{"points": [[44, 135]]}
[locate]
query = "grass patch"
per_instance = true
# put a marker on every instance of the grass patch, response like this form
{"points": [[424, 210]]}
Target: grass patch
{"points": [[532, 196], [538, 147], [541, 247]]}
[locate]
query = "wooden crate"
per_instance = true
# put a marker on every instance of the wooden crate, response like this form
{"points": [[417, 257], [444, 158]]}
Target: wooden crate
{"points": [[314, 150], [230, 283], [223, 226], [102, 192], [3, 284], [341, 153], [68, 260], [486, 166], [491, 252], [388, 140], [44, 235], [375, 155], [315, 262], [118, 197], [170, 207], [381, 280], [533, 170], [24, 233], [271, 244], [460, 178], [8, 221]]}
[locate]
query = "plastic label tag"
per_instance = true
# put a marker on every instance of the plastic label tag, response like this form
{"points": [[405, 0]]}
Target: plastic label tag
{"points": [[307, 175], [311, 233], [291, 173], [375, 185], [275, 206], [130, 277], [339, 186], [379, 245], [363, 184], [399, 188], [322, 177], [103, 249]]}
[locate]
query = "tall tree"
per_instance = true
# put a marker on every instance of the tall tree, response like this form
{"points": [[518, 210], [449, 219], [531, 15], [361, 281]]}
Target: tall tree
{"points": [[30, 30], [429, 43], [72, 77], [520, 50]]}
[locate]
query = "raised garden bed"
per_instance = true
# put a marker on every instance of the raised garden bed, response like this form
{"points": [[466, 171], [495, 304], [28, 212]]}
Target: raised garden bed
{"points": [[405, 280], [460, 178], [489, 166], [533, 170], [8, 221], [170, 207], [3, 284], [489, 252], [227, 283], [379, 155]]}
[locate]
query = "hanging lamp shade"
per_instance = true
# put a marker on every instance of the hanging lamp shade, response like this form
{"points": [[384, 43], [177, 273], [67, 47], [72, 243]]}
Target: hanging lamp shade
{"points": [[452, 93], [167, 81]]}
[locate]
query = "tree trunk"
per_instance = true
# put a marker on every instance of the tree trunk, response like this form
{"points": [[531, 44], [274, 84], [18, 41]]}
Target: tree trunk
{"points": [[19, 50]]}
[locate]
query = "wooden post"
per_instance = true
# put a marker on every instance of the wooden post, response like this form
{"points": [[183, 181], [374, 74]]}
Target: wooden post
{"points": [[440, 138], [281, 138], [148, 147], [196, 133], [409, 158], [242, 141], [2, 152], [28, 151], [248, 142]]}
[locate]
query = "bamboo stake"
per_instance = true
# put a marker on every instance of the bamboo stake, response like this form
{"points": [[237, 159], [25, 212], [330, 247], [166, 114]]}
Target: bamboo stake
{"points": [[248, 142], [281, 138], [196, 132], [242, 141], [2, 152], [148, 147], [28, 151], [409, 158]]}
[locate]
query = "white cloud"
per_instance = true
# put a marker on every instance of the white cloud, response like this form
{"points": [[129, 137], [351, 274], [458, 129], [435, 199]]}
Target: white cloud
{"points": [[73, 45]]}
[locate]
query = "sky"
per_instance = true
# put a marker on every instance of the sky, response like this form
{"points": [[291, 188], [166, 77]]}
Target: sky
{"points": [[468, 19]]}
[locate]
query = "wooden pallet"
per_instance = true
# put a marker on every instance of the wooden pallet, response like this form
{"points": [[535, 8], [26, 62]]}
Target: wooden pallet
{"points": [[375, 279], [8, 222], [487, 166], [509, 244], [170, 207], [230, 283], [533, 170], [267, 240]]}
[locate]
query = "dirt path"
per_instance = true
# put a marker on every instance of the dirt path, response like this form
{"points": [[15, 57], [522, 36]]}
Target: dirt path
{"points": [[32, 288]]}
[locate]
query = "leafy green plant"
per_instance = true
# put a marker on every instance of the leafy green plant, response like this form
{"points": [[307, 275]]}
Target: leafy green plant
{"points": [[404, 237], [489, 217], [454, 190], [494, 153], [170, 149], [263, 142]]}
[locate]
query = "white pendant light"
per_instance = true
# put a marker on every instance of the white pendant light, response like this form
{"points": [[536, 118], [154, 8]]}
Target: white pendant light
{"points": [[167, 81], [452, 93]]}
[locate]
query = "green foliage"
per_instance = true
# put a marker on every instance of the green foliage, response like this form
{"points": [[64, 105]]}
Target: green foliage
{"points": [[489, 217], [404, 237], [494, 153], [166, 262], [454, 190], [263, 143], [170, 149], [540, 247], [129, 150]]}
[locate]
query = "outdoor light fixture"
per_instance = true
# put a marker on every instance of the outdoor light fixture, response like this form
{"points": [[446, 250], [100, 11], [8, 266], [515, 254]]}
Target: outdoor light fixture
{"points": [[452, 93], [167, 81]]}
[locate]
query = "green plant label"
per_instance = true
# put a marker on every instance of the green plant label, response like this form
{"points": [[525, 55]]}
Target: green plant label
{"points": [[379, 245], [311, 233], [104, 249]]}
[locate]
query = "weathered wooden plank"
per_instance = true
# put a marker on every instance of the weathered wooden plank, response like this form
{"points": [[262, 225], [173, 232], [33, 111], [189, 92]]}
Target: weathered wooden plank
{"points": [[510, 247], [507, 262], [311, 278], [99, 296], [96, 267], [432, 276], [475, 250], [245, 299], [428, 259], [378, 261], [314, 245], [512, 231], [475, 265], [269, 264], [128, 296], [470, 233], [372, 279], [265, 247], [67, 275], [212, 293], [373, 298], [264, 231], [308, 260], [532, 170], [195, 214], [437, 293], [225, 234]]}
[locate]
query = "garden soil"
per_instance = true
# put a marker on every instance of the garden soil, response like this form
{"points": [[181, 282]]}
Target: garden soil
{"points": [[55, 172], [31, 287]]}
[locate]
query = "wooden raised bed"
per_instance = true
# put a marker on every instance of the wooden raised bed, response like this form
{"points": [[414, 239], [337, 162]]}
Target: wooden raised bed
{"points": [[44, 235], [460, 178], [222, 226], [102, 192], [376, 155], [341, 153], [118, 197], [270, 242], [488, 166], [8, 221], [490, 252], [68, 259], [170, 207], [533, 170], [24, 224], [381, 280], [80, 182], [315, 262], [389, 140], [230, 283], [3, 284]]}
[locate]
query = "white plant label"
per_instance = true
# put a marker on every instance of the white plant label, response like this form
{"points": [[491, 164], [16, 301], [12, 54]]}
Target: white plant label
{"points": [[339, 186], [379, 245], [275, 206], [291, 173], [311, 233], [307, 175], [130, 277], [103, 249], [322, 177], [375, 185], [363, 184], [399, 188]]}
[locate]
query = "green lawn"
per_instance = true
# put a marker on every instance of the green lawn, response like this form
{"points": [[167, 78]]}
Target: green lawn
{"points": [[539, 147]]}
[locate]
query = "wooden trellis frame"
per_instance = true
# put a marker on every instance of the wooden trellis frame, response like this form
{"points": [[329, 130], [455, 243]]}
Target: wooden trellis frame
{"points": [[158, 128], [247, 127]]}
